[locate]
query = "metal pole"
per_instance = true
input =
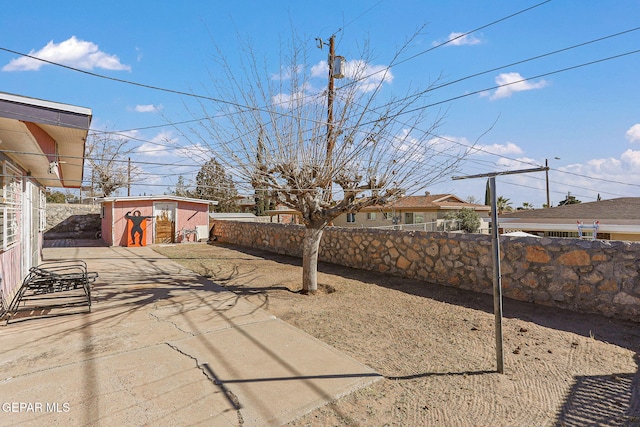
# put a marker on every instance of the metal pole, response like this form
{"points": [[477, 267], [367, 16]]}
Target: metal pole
{"points": [[546, 165], [497, 277]]}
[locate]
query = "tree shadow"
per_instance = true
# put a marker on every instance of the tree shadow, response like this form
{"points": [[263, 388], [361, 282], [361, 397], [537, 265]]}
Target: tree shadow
{"points": [[612, 399]]}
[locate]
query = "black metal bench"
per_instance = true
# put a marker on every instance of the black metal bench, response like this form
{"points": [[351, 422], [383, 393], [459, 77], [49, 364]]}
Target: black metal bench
{"points": [[62, 283]]}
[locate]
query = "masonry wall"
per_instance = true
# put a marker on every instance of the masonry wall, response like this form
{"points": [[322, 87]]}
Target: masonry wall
{"points": [[69, 221], [581, 275]]}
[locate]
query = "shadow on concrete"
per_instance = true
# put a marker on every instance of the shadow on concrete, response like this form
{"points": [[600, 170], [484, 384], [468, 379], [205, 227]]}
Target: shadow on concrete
{"points": [[612, 399]]}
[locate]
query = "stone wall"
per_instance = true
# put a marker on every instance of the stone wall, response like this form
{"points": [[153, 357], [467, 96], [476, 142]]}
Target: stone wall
{"points": [[72, 221], [581, 275]]}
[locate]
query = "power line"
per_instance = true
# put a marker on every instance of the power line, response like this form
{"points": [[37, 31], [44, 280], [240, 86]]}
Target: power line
{"points": [[449, 41]]}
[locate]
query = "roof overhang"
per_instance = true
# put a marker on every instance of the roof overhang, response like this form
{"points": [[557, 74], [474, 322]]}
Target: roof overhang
{"points": [[47, 139]]}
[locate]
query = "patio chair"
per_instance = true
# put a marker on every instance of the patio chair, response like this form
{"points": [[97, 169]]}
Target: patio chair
{"points": [[54, 284]]}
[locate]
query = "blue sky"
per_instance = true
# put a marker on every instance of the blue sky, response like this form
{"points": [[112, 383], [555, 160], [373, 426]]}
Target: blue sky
{"points": [[587, 116]]}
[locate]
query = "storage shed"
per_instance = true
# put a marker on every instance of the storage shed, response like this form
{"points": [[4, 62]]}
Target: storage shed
{"points": [[144, 220]]}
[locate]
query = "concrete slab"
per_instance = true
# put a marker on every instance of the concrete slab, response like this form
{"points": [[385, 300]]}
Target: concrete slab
{"points": [[163, 346], [149, 386], [275, 372]]}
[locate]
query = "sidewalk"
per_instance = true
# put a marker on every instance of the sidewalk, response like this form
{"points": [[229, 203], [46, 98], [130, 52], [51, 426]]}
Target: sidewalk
{"points": [[163, 346]]}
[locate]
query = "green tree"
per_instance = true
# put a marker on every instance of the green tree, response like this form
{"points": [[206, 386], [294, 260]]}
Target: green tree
{"points": [[569, 200], [503, 204], [56, 197], [469, 219], [262, 199], [527, 206], [213, 183]]}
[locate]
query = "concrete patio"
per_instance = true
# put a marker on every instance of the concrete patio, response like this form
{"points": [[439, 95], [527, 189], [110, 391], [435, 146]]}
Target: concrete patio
{"points": [[163, 346]]}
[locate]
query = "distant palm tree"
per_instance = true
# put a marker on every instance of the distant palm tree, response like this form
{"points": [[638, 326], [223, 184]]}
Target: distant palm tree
{"points": [[527, 206], [503, 204]]}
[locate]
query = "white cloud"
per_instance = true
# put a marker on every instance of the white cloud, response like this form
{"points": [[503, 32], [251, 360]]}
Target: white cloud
{"points": [[321, 69], [498, 149], [160, 145], [631, 158], [72, 52], [458, 39], [513, 82], [306, 96], [368, 76], [633, 134], [148, 108]]}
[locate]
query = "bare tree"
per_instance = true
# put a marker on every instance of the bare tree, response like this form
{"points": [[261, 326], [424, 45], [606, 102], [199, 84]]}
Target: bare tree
{"points": [[273, 133], [107, 156]]}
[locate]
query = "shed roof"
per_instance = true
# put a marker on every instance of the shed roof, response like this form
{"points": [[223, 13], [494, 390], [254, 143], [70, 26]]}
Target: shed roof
{"points": [[157, 198]]}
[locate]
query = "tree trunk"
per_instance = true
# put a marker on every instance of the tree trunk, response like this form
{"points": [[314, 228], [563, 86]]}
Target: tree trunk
{"points": [[310, 248]]}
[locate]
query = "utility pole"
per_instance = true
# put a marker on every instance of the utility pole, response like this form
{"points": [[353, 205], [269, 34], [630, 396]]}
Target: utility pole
{"points": [[546, 165], [129, 178], [331, 62], [330, 95]]}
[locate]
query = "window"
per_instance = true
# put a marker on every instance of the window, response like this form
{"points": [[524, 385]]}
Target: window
{"points": [[10, 205], [408, 218], [371, 216], [351, 217], [42, 210], [388, 216]]}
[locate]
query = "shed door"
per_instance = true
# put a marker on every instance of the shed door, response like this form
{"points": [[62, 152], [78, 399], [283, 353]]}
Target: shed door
{"points": [[165, 222]]}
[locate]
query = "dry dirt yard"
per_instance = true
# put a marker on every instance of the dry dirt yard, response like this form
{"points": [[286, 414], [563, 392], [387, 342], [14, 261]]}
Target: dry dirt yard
{"points": [[435, 347]]}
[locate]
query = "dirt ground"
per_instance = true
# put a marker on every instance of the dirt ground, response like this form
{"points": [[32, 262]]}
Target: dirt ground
{"points": [[435, 347]]}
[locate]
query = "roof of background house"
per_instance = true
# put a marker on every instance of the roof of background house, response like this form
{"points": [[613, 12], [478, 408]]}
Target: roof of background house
{"points": [[432, 201], [623, 208]]}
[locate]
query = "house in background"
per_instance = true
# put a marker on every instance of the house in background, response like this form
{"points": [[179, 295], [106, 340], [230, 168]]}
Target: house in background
{"points": [[41, 145], [167, 219], [417, 212], [617, 219]]}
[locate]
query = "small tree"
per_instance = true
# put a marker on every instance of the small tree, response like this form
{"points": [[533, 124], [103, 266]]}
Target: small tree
{"points": [[56, 197], [569, 200], [503, 204], [468, 218], [213, 183], [473, 199], [181, 188]]}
